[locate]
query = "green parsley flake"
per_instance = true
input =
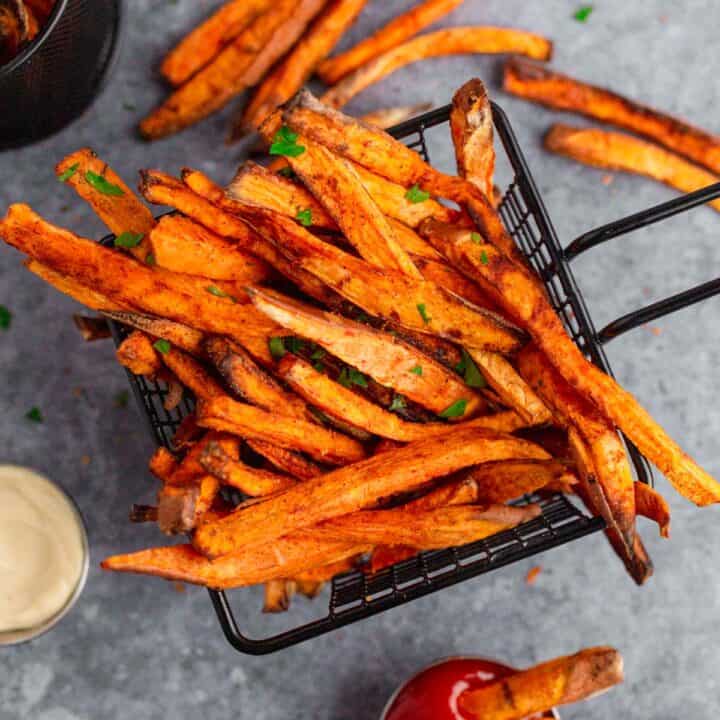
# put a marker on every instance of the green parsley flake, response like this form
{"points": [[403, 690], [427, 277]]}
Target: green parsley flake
{"points": [[277, 347], [217, 292], [294, 344], [287, 172], [162, 346], [469, 370], [65, 176], [476, 237], [150, 259], [102, 185], [318, 354], [350, 376], [285, 143], [398, 403], [423, 313], [457, 409], [305, 217], [344, 378], [122, 398], [483, 257], [416, 194], [34, 415], [583, 13], [319, 367], [417, 370], [128, 239], [5, 318]]}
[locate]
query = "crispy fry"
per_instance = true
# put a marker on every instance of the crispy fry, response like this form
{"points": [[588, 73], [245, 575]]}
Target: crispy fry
{"points": [[206, 41], [398, 30], [223, 413], [14, 29], [540, 84], [292, 463], [181, 508], [651, 504], [541, 688], [121, 211], [298, 65], [92, 328], [241, 64], [384, 357], [471, 126], [137, 354], [389, 117], [451, 41], [163, 464], [448, 277], [190, 469], [618, 151], [278, 594], [184, 246], [42, 9], [359, 486], [521, 298], [192, 374], [326, 572], [178, 335], [126, 281], [251, 481], [416, 304]]}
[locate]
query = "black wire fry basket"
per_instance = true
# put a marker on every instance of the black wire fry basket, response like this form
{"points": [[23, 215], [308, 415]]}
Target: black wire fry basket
{"points": [[356, 595]]}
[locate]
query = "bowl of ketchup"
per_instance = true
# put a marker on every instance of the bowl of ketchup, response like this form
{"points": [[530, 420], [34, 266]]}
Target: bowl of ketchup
{"points": [[434, 692]]}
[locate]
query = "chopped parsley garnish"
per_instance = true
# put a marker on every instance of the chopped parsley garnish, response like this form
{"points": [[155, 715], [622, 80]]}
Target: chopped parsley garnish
{"points": [[476, 237], [34, 415], [416, 194], [483, 257], [65, 176], [469, 370], [217, 292], [457, 409], [102, 185], [423, 313], [162, 346], [305, 217], [287, 172], [294, 344], [5, 318], [150, 259], [417, 370], [285, 143], [122, 398], [128, 239], [129, 107], [277, 347], [398, 403], [319, 367], [350, 376], [583, 13], [318, 354]]}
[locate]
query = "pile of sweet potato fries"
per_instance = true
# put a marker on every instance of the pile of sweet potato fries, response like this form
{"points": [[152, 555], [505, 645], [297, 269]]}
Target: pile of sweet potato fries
{"points": [[379, 373], [20, 22], [275, 47]]}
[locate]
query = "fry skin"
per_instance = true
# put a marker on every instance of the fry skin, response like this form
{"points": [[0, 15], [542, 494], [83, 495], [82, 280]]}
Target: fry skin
{"points": [[206, 41], [137, 354], [398, 30], [182, 336], [451, 41], [192, 374], [292, 463], [528, 305], [358, 486], [546, 686], [540, 84], [618, 151], [651, 504]]}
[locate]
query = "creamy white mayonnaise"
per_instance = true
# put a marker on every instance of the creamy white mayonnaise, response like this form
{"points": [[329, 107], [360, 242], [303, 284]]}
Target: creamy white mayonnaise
{"points": [[42, 549]]}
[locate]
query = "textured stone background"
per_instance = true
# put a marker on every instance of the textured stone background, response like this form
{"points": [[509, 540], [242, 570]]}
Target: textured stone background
{"points": [[136, 648]]}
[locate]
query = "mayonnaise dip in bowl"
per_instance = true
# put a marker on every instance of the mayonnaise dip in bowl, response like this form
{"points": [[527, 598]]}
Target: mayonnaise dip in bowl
{"points": [[43, 554]]}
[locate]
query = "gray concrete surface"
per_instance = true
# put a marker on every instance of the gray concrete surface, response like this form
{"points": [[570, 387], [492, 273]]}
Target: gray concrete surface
{"points": [[137, 648]]}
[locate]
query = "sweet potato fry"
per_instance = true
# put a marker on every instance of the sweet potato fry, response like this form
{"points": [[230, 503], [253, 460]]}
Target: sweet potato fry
{"points": [[184, 246], [416, 304], [251, 481], [618, 151], [471, 126], [359, 486], [292, 463], [41, 9], [181, 508], [92, 328], [651, 504], [223, 413], [178, 335], [385, 118], [137, 354], [324, 573], [451, 41], [189, 469], [540, 84], [14, 29], [546, 686], [111, 199], [206, 41], [278, 595], [291, 73], [439, 272], [126, 281], [163, 464], [393, 34], [523, 301], [192, 374], [241, 64]]}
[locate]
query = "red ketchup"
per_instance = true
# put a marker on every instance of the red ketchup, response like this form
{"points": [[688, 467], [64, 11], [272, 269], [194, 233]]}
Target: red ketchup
{"points": [[433, 693]]}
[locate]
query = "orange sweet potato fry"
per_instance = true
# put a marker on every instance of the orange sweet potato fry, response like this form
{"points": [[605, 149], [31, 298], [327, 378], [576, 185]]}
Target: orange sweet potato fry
{"points": [[163, 464], [358, 486], [177, 334], [389, 117], [651, 504], [15, 29], [543, 85], [291, 73], [618, 151], [206, 41], [138, 355], [451, 41], [513, 289], [398, 30], [278, 595], [190, 469], [546, 686], [181, 508], [287, 461], [192, 374]]}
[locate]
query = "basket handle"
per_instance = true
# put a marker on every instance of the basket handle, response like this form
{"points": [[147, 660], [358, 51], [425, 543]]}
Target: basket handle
{"points": [[625, 225]]}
